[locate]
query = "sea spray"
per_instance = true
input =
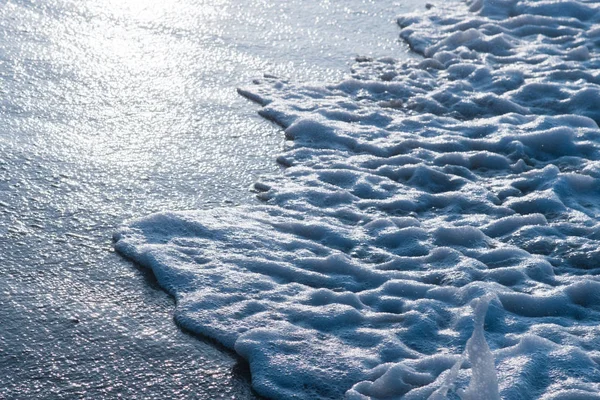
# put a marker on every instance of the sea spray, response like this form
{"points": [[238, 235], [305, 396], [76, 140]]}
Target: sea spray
{"points": [[484, 380]]}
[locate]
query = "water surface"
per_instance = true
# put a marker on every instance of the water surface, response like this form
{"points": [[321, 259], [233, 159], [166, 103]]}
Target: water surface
{"points": [[111, 110]]}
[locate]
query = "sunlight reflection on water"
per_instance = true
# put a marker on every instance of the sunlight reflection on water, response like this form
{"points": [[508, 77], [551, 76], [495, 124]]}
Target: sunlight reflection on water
{"points": [[113, 109]]}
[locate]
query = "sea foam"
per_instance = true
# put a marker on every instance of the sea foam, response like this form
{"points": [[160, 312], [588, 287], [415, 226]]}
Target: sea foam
{"points": [[436, 230]]}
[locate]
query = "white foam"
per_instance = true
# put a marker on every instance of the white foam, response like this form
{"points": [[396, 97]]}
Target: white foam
{"points": [[484, 382], [412, 190]]}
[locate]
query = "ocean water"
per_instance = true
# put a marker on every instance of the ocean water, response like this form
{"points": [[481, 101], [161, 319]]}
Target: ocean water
{"points": [[112, 110], [434, 232]]}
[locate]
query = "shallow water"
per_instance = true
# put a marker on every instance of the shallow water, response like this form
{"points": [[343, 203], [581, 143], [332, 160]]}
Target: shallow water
{"points": [[115, 109]]}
